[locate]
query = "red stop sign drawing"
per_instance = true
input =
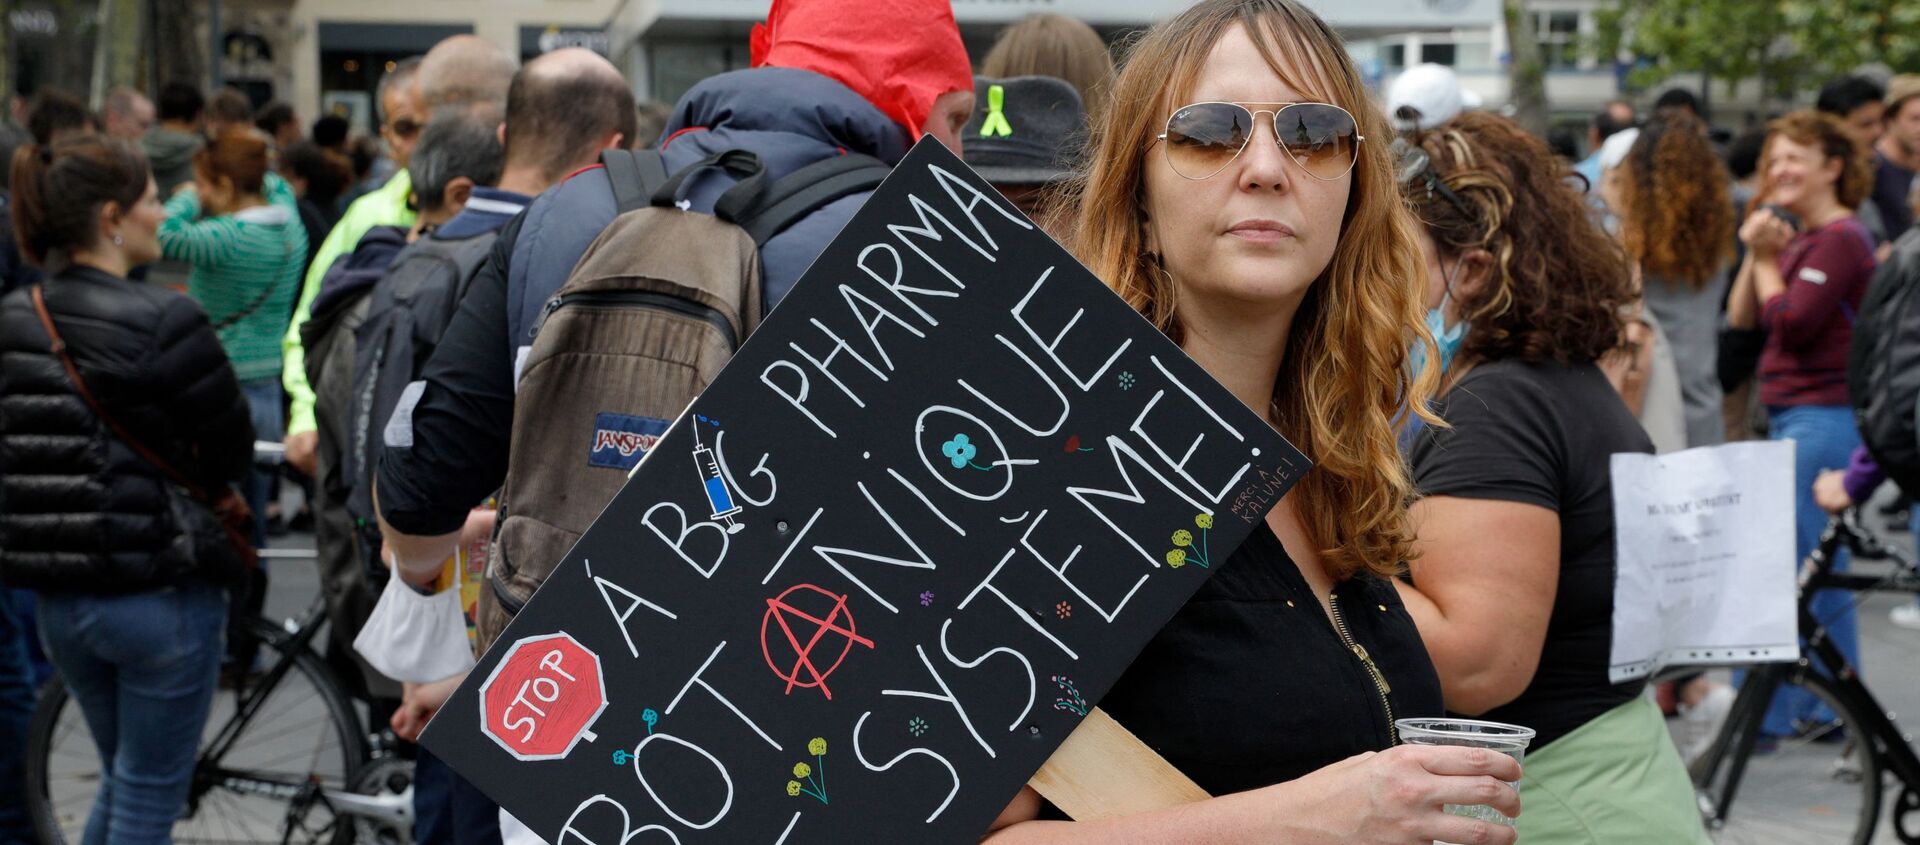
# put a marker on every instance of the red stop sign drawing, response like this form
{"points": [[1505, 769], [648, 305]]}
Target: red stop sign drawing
{"points": [[542, 697]]}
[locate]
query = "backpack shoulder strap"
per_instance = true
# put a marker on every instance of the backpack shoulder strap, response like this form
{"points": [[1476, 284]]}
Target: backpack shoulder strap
{"points": [[635, 176], [810, 188], [57, 347]]}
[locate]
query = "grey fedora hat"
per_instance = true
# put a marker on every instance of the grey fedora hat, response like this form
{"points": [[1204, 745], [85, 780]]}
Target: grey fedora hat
{"points": [[1025, 130]]}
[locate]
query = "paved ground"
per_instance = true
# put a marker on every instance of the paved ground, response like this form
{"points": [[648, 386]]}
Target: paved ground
{"points": [[1804, 811], [1891, 655]]}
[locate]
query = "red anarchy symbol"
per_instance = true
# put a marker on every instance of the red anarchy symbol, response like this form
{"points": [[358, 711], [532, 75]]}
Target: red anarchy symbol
{"points": [[804, 671]]}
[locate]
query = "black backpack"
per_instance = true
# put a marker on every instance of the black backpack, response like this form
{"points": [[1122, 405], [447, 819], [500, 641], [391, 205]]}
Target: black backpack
{"points": [[407, 311], [1883, 367]]}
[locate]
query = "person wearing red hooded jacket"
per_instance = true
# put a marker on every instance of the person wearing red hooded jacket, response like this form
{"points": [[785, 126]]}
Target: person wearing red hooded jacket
{"points": [[823, 83]]}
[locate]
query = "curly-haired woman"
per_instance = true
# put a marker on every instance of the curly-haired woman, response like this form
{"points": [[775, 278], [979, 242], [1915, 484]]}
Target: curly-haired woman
{"points": [[1240, 195], [1671, 195], [1512, 585], [1806, 270]]}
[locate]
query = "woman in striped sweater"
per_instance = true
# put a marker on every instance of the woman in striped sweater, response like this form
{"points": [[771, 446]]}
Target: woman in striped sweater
{"points": [[245, 242]]}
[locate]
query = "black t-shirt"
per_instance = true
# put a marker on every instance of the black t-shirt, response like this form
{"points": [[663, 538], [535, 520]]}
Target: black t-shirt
{"points": [[1250, 684], [1542, 434]]}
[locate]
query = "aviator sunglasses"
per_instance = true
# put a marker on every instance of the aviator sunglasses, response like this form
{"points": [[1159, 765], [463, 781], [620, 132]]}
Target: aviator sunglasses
{"points": [[1203, 138]]}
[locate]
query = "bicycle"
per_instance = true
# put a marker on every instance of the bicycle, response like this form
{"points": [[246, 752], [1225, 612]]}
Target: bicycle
{"points": [[1826, 783], [285, 754]]}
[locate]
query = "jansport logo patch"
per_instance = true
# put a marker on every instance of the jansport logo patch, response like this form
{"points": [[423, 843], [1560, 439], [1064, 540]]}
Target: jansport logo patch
{"points": [[620, 441]]}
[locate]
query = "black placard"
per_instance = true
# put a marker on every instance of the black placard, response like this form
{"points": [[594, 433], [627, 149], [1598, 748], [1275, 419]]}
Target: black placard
{"points": [[871, 579]]}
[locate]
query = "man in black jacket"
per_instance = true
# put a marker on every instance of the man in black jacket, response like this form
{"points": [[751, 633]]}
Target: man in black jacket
{"points": [[558, 118]]}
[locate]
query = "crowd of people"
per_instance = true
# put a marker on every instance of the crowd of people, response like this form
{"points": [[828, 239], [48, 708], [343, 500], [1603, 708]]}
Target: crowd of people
{"points": [[1437, 306]]}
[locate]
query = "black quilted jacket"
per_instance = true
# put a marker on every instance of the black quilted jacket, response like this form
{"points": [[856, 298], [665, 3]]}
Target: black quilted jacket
{"points": [[79, 510]]}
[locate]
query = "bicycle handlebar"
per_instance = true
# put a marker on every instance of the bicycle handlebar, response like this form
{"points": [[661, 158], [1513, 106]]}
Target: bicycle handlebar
{"points": [[1845, 528], [1862, 542]]}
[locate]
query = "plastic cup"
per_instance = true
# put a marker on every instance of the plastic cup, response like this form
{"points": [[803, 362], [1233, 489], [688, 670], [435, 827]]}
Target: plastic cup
{"points": [[1511, 740]]}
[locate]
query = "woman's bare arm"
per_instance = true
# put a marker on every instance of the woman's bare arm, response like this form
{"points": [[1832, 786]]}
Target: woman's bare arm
{"points": [[1392, 797]]}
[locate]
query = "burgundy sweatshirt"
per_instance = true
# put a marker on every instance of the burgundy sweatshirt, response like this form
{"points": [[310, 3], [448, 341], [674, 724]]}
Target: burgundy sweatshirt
{"points": [[1810, 326]]}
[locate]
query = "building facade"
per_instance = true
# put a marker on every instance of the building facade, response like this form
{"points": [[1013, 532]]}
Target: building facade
{"points": [[665, 46], [341, 47]]}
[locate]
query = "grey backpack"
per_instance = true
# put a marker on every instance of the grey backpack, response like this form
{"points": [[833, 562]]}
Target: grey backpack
{"points": [[407, 311], [647, 319]]}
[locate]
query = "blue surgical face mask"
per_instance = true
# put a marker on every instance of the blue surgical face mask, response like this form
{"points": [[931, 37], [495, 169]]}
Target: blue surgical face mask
{"points": [[1449, 339]]}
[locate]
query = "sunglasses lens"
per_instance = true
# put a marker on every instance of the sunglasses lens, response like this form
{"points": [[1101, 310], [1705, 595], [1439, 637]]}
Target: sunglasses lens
{"points": [[1202, 138], [1320, 137], [1409, 160]]}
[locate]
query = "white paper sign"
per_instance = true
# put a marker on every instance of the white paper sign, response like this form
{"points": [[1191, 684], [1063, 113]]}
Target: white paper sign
{"points": [[1706, 558]]}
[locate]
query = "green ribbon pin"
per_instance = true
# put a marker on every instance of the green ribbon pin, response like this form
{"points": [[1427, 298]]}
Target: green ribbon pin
{"points": [[996, 121]]}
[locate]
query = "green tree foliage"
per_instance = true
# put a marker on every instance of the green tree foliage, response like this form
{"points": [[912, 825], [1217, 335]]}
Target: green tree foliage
{"points": [[1851, 33], [1787, 45]]}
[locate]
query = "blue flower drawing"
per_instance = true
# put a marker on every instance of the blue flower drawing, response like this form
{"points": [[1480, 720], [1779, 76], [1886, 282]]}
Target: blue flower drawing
{"points": [[959, 451]]}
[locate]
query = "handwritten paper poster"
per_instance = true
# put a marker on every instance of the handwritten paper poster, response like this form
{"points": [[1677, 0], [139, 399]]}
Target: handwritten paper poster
{"points": [[863, 588], [1706, 551]]}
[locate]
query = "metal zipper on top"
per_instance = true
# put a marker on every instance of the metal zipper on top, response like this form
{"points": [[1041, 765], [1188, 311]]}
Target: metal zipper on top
{"points": [[640, 299], [1360, 651]]}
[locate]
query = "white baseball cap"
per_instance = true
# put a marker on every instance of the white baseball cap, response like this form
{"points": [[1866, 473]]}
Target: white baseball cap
{"points": [[1614, 150], [1433, 91]]}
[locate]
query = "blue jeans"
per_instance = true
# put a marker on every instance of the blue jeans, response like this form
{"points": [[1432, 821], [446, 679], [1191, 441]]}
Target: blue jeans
{"points": [[447, 810], [1824, 438], [263, 400], [17, 693], [38, 669], [142, 669], [1913, 529], [250, 598]]}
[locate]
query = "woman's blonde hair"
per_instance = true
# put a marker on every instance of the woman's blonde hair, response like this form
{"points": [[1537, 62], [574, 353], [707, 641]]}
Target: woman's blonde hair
{"points": [[1347, 375], [1056, 46]]}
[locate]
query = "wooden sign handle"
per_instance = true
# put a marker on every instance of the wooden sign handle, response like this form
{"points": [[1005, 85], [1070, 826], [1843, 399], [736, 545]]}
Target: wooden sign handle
{"points": [[1104, 771]]}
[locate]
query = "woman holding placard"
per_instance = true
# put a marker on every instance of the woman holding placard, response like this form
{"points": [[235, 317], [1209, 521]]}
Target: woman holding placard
{"points": [[1240, 196], [1513, 582]]}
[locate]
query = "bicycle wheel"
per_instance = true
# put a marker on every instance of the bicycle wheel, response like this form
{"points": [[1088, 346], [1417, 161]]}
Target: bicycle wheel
{"points": [[1821, 786], [303, 734]]}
